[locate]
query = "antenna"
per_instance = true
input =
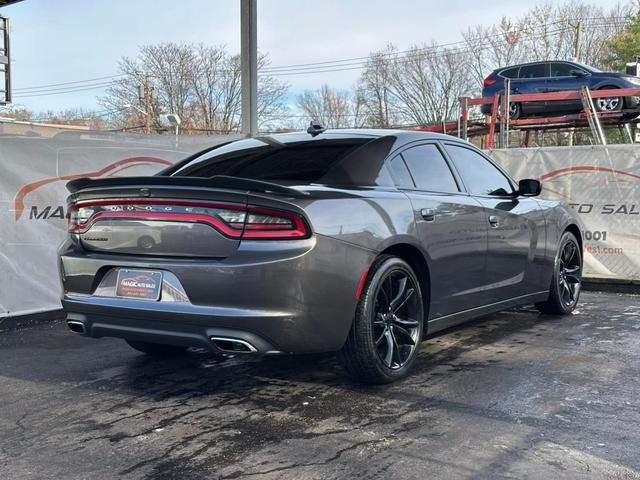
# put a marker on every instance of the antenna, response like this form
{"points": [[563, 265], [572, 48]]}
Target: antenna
{"points": [[315, 129]]}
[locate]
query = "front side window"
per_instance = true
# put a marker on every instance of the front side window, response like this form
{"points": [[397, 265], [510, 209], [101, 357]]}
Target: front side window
{"points": [[479, 175], [560, 69], [429, 169], [536, 70]]}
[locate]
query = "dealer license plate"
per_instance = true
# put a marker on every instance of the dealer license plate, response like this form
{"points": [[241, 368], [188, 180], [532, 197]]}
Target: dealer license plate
{"points": [[140, 284]]}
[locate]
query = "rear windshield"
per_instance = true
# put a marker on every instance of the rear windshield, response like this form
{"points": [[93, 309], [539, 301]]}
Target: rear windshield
{"points": [[268, 160]]}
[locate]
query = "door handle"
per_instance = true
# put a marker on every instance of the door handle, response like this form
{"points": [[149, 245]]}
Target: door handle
{"points": [[494, 221], [428, 214]]}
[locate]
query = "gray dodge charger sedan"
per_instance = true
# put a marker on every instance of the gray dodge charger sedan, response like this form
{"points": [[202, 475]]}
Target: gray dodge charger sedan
{"points": [[355, 241]]}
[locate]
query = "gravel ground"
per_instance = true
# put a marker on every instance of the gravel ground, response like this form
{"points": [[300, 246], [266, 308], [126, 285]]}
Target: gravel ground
{"points": [[514, 395]]}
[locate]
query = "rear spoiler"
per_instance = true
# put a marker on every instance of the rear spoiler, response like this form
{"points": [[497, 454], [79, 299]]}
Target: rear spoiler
{"points": [[218, 181]]}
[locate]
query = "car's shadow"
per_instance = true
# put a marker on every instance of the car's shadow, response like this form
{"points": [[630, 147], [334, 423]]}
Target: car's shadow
{"points": [[211, 373], [108, 364]]}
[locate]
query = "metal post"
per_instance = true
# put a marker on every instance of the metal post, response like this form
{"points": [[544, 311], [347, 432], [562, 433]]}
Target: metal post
{"points": [[626, 133], [592, 116], [249, 66], [506, 112], [492, 121], [5, 59], [504, 108], [463, 128]]}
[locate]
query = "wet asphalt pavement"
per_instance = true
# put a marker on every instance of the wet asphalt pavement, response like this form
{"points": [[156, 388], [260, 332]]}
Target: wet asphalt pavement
{"points": [[515, 395]]}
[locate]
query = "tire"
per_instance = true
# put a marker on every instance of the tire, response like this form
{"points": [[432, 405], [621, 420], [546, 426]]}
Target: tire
{"points": [[608, 104], [515, 111], [146, 242], [387, 329], [566, 282], [156, 349]]}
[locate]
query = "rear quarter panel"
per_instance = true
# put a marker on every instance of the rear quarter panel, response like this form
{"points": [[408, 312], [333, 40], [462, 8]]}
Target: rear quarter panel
{"points": [[368, 218], [558, 217]]}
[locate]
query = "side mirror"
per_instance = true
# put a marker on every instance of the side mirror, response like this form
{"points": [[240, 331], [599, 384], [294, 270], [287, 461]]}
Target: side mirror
{"points": [[529, 187], [577, 73]]}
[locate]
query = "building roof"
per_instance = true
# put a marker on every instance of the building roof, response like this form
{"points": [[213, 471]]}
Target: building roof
{"points": [[4, 3]]}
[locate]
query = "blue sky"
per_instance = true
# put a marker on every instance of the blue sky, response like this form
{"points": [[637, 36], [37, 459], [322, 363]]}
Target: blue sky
{"points": [[69, 40]]}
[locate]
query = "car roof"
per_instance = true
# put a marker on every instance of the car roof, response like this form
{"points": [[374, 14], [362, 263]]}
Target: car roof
{"points": [[355, 133], [518, 65]]}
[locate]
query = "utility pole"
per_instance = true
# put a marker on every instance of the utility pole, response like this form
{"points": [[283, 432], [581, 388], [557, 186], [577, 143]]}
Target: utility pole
{"points": [[5, 61], [577, 43], [147, 104], [249, 66]]}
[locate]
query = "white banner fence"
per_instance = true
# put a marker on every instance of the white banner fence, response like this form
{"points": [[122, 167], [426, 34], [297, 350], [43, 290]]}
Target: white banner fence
{"points": [[33, 175], [601, 183]]}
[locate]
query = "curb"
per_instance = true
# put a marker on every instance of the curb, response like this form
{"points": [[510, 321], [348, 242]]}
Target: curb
{"points": [[611, 285], [30, 320]]}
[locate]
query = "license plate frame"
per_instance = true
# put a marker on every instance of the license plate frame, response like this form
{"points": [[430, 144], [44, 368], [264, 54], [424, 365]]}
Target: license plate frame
{"points": [[140, 284]]}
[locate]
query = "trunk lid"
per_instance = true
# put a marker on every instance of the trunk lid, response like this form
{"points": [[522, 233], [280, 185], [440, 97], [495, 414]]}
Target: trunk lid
{"points": [[169, 216]]}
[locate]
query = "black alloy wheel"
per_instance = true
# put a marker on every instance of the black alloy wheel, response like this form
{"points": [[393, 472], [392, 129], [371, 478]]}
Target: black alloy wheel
{"points": [[395, 326], [567, 278], [387, 329], [569, 273]]}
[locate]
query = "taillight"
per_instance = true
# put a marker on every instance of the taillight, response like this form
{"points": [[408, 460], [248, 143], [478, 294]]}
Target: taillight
{"points": [[261, 223], [488, 81], [235, 221]]}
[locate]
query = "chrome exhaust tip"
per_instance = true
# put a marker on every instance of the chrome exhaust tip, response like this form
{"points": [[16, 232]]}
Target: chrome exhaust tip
{"points": [[233, 345], [76, 326]]}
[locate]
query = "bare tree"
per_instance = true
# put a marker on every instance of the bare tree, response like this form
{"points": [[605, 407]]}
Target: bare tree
{"points": [[69, 116], [199, 83], [17, 113], [545, 32], [327, 106], [427, 83], [378, 104]]}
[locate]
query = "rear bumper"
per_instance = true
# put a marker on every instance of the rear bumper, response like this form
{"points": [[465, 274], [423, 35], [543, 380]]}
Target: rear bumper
{"points": [[171, 328], [280, 297]]}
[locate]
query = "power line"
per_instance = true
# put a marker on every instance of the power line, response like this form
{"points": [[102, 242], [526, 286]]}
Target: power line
{"points": [[330, 66], [74, 90], [419, 53], [358, 60], [38, 87]]}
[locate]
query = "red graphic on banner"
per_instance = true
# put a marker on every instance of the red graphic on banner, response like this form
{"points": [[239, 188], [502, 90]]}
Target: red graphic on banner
{"points": [[585, 168], [561, 172], [109, 170]]}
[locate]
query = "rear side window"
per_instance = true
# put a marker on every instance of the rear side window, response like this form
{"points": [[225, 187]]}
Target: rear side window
{"points": [[429, 169], [400, 173], [510, 72], [537, 70], [479, 175]]}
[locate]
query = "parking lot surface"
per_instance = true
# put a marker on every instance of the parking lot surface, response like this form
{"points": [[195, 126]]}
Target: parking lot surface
{"points": [[514, 395]]}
